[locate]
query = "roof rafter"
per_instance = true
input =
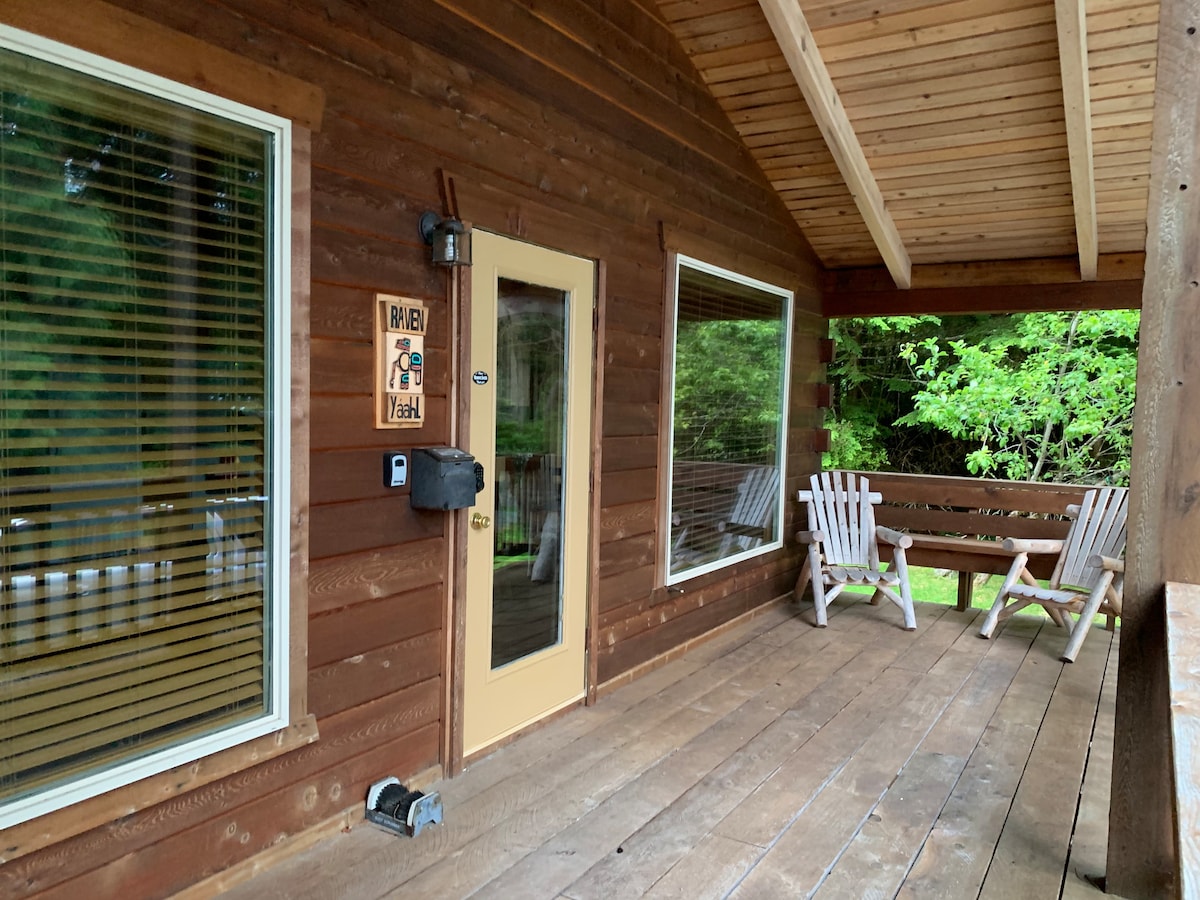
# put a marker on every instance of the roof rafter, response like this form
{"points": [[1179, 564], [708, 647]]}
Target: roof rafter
{"points": [[796, 41], [1073, 60]]}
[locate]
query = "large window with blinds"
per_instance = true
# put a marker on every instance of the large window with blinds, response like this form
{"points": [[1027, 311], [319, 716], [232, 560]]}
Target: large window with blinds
{"points": [[143, 425], [728, 414]]}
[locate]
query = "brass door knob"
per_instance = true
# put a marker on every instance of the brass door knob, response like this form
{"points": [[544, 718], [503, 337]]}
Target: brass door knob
{"points": [[479, 520]]}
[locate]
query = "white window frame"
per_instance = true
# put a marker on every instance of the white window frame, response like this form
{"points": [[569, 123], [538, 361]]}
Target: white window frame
{"points": [[278, 313], [787, 298]]}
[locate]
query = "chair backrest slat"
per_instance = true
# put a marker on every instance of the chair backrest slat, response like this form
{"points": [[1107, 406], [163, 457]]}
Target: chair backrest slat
{"points": [[1099, 529], [755, 507], [826, 519], [864, 529], [841, 508]]}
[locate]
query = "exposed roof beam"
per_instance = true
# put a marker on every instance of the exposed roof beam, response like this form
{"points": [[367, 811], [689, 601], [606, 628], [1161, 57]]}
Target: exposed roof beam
{"points": [[796, 41], [949, 301], [1073, 60], [987, 273]]}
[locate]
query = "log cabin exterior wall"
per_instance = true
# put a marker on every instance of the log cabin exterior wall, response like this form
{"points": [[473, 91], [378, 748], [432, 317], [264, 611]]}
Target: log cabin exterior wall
{"points": [[579, 125]]}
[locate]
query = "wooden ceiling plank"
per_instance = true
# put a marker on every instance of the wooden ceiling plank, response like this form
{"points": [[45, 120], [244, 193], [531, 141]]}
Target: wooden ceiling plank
{"points": [[989, 187], [1028, 230], [976, 162], [740, 102], [983, 51], [1124, 37], [916, 140], [1123, 54], [677, 11], [951, 101], [983, 82], [1116, 19], [727, 38], [1072, 53], [1100, 120], [1016, 201], [712, 22], [1124, 87], [756, 67], [853, 76], [1105, 6], [1136, 103], [928, 24], [796, 40], [956, 153], [952, 219], [792, 137], [1044, 106], [756, 84], [942, 40], [738, 55], [827, 13], [1121, 70]]}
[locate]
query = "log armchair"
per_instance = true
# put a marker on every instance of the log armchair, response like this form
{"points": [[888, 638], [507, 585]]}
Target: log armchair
{"points": [[843, 545], [1087, 578]]}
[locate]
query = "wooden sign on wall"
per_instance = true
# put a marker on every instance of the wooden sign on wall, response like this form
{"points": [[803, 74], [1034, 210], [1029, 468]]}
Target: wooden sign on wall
{"points": [[399, 361]]}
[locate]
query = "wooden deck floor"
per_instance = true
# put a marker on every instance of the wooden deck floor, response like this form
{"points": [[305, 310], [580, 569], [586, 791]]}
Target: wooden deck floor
{"points": [[780, 760]]}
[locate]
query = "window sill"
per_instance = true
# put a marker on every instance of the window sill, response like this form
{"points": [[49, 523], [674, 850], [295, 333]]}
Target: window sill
{"points": [[73, 820]]}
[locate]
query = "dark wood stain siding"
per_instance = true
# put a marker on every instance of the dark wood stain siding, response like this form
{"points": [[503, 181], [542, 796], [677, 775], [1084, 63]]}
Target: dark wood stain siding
{"points": [[580, 125]]}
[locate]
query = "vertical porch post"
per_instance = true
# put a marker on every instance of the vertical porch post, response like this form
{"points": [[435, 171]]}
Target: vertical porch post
{"points": [[1164, 533]]}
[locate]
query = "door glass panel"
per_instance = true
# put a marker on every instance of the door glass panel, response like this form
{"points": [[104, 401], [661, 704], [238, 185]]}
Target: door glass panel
{"points": [[531, 365]]}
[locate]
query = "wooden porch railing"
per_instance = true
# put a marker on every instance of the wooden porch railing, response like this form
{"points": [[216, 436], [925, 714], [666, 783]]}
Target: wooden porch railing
{"points": [[1183, 673], [958, 523]]}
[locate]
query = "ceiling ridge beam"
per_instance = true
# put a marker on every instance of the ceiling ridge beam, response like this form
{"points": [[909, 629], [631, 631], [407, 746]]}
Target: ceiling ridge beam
{"points": [[796, 41], [1070, 17]]}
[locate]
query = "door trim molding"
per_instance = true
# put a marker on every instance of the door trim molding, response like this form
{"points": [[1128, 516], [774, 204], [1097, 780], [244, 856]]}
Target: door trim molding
{"points": [[455, 625], [454, 664]]}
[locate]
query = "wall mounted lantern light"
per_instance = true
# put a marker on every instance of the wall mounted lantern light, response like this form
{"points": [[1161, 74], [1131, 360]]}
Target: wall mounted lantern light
{"points": [[448, 238]]}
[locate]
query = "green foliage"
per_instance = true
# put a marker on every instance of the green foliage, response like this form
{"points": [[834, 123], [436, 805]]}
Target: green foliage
{"points": [[728, 375], [872, 388], [530, 347], [1045, 396], [856, 442]]}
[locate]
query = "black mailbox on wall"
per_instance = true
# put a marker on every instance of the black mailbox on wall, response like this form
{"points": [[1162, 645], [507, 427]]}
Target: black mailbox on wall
{"points": [[442, 478]]}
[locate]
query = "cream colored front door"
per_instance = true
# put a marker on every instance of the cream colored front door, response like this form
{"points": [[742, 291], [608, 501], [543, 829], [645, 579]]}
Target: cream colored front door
{"points": [[527, 541]]}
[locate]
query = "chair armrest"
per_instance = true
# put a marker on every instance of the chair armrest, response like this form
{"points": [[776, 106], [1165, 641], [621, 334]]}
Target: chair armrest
{"points": [[1020, 545], [1107, 562], [809, 537], [893, 537]]}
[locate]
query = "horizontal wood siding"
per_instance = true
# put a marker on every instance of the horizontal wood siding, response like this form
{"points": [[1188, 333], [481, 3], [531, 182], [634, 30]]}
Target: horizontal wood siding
{"points": [[579, 125]]}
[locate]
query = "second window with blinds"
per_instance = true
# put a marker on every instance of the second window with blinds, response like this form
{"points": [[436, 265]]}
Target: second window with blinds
{"points": [[728, 418]]}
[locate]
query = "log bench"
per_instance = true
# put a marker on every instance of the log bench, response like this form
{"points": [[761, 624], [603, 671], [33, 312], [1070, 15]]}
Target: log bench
{"points": [[958, 524]]}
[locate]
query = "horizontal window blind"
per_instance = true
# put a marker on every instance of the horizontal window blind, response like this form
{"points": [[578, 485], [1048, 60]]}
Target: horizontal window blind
{"points": [[134, 424], [727, 418]]}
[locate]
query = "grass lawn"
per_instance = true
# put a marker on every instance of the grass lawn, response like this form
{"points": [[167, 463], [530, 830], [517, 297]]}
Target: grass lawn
{"points": [[931, 586]]}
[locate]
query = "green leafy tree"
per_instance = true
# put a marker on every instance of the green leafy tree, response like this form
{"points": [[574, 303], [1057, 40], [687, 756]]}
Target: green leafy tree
{"points": [[1048, 398], [727, 377], [874, 386]]}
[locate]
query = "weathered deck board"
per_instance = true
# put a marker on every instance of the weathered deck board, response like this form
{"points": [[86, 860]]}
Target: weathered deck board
{"points": [[1089, 843], [881, 854], [1030, 857], [777, 760], [958, 851], [810, 703]]}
